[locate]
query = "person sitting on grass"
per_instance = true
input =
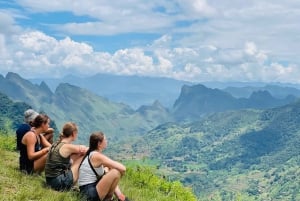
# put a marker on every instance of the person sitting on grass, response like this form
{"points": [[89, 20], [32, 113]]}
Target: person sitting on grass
{"points": [[34, 146], [29, 116], [94, 183], [63, 160]]}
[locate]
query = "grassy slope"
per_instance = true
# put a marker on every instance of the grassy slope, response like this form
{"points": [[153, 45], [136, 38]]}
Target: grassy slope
{"points": [[137, 185]]}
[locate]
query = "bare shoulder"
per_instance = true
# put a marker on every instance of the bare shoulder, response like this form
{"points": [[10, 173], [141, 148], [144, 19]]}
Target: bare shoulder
{"points": [[69, 147], [29, 137], [102, 157]]}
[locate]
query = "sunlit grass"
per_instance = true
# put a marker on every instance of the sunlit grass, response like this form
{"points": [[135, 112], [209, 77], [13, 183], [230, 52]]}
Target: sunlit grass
{"points": [[139, 184]]}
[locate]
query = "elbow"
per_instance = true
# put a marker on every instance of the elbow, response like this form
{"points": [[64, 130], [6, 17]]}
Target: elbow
{"points": [[123, 170]]}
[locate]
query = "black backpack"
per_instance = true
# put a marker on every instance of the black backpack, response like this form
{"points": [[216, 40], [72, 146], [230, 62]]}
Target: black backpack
{"points": [[20, 132]]}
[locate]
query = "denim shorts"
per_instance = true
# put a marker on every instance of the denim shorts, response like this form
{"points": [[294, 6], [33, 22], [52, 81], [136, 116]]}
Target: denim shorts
{"points": [[89, 192], [62, 182]]}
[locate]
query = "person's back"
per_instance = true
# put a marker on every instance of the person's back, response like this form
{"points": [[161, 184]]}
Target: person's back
{"points": [[56, 163], [60, 173]]}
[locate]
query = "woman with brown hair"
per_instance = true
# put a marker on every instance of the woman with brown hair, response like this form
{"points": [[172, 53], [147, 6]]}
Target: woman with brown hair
{"points": [[34, 146], [94, 182], [63, 160]]}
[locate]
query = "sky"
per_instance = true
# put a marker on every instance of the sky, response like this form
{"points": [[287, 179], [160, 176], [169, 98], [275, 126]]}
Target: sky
{"points": [[192, 40]]}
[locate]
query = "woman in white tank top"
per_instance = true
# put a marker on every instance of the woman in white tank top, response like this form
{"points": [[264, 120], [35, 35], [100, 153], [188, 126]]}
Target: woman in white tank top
{"points": [[95, 184]]}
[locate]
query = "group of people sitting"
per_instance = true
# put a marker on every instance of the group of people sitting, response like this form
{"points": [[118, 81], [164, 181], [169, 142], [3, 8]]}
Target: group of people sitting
{"points": [[67, 164]]}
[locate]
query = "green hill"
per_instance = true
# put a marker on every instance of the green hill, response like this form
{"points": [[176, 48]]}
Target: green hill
{"points": [[140, 183], [12, 114], [252, 153]]}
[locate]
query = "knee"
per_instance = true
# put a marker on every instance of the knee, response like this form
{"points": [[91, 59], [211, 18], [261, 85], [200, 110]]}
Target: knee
{"points": [[116, 173]]}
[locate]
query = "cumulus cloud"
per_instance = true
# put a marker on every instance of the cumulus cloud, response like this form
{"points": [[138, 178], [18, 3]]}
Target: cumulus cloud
{"points": [[194, 40]]}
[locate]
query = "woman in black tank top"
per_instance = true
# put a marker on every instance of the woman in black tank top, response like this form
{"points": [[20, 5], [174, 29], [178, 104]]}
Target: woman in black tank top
{"points": [[34, 146]]}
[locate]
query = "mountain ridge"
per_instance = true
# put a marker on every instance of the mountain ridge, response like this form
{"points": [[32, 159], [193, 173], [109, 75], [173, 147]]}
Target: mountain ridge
{"points": [[198, 100]]}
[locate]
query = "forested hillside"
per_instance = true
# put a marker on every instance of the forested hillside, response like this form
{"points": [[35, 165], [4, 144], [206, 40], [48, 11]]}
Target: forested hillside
{"points": [[12, 115], [252, 153], [247, 154]]}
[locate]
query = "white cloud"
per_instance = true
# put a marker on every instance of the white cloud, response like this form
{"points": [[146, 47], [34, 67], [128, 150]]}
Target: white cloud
{"points": [[196, 8], [196, 40]]}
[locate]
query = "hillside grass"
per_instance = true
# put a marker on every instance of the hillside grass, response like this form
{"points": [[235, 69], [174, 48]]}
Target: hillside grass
{"points": [[139, 184]]}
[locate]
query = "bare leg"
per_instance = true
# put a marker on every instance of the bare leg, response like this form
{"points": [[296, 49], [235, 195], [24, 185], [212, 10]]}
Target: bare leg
{"points": [[39, 164], [119, 193], [107, 185]]}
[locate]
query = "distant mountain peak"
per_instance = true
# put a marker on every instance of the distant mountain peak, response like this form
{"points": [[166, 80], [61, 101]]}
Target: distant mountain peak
{"points": [[10, 75], [261, 94], [45, 88]]}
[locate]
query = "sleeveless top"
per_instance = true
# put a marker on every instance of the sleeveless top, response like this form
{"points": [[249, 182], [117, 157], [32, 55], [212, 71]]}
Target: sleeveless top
{"points": [[86, 174], [56, 164], [24, 162]]}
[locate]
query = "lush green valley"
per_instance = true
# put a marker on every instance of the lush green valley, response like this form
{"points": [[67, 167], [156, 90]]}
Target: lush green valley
{"points": [[247, 154], [252, 153]]}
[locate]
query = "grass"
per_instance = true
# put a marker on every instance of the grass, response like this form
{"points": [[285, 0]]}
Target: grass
{"points": [[139, 183], [16, 186]]}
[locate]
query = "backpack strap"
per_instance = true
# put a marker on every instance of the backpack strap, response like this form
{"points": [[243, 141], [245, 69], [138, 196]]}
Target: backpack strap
{"points": [[97, 176]]}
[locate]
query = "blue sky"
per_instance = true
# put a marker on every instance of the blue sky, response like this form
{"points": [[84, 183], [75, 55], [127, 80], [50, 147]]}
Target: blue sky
{"points": [[194, 40]]}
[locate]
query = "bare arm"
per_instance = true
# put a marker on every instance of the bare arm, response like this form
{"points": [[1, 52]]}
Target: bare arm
{"points": [[100, 159], [29, 140], [44, 141], [68, 149]]}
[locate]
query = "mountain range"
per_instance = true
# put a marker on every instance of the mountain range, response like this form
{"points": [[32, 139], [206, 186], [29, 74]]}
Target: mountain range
{"points": [[130, 90], [220, 145], [136, 91], [196, 101], [88, 110], [93, 112]]}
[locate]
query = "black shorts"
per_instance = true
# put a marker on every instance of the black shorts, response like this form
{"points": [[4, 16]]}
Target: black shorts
{"points": [[62, 182], [89, 192]]}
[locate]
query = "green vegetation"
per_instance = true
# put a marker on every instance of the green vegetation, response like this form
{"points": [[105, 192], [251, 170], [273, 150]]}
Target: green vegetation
{"points": [[234, 155], [248, 154], [140, 183]]}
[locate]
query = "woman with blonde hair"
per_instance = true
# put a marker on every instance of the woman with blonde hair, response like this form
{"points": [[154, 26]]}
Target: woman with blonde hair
{"points": [[94, 182], [63, 160]]}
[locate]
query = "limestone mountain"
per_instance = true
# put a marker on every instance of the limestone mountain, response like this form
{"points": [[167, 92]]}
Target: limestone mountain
{"points": [[197, 101], [71, 103], [131, 90], [277, 91]]}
